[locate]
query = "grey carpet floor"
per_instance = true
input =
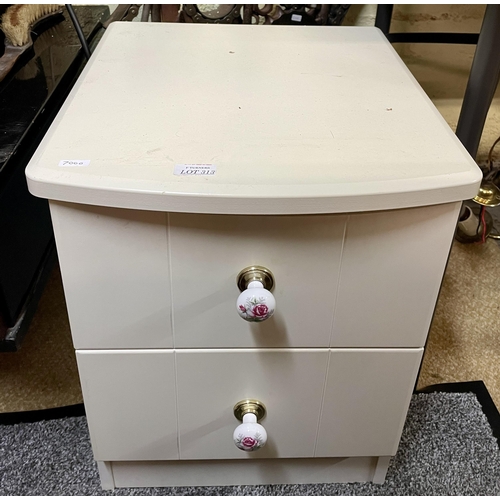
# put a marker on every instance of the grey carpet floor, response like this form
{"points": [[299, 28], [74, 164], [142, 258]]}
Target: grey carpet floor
{"points": [[447, 448]]}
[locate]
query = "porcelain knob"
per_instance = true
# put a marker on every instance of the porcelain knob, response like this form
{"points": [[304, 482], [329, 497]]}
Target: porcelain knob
{"points": [[256, 303], [250, 435]]}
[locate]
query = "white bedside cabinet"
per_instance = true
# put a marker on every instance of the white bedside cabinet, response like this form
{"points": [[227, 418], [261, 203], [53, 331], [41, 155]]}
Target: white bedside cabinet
{"points": [[252, 223]]}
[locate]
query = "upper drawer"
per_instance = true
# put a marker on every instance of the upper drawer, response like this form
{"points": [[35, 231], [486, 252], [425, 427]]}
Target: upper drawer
{"points": [[138, 279]]}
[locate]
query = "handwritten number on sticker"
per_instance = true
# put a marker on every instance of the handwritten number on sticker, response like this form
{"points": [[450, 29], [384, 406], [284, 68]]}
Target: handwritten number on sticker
{"points": [[74, 163]]}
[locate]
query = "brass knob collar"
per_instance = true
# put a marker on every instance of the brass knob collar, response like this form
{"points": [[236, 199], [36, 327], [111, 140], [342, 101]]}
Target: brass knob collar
{"points": [[249, 406], [255, 273]]}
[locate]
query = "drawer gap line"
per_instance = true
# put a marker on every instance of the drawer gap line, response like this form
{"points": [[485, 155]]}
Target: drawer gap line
{"points": [[344, 236], [170, 275], [328, 361], [177, 407]]}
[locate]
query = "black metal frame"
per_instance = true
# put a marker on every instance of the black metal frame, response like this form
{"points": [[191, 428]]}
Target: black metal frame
{"points": [[484, 74]]}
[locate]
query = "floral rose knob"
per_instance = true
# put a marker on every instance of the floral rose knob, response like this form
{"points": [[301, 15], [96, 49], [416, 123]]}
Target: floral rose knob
{"points": [[249, 436], [256, 303]]}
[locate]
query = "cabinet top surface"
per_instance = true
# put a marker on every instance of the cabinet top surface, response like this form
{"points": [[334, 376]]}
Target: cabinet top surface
{"points": [[293, 119]]}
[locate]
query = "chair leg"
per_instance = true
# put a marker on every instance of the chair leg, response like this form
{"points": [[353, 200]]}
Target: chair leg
{"points": [[483, 81], [383, 17]]}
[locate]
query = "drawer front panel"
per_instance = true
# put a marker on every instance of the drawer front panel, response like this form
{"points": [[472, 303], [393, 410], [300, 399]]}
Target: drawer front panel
{"points": [[166, 405], [289, 382], [366, 400], [130, 403], [208, 252], [115, 271], [392, 267], [377, 288]]}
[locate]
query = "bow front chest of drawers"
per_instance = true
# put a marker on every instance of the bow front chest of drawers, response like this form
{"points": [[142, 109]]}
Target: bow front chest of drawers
{"points": [[252, 223]]}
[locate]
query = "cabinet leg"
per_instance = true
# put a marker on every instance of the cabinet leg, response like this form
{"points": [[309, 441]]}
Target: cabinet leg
{"points": [[381, 470], [106, 475]]}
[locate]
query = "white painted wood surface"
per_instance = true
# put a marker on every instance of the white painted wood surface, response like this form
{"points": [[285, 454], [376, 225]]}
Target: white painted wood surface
{"points": [[366, 400], [368, 139], [208, 252], [121, 292], [130, 401], [114, 265], [143, 405], [106, 475], [392, 267], [381, 470], [239, 472], [210, 382]]}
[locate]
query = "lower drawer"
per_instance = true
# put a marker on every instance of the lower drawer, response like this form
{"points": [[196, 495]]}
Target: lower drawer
{"points": [[166, 404]]}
